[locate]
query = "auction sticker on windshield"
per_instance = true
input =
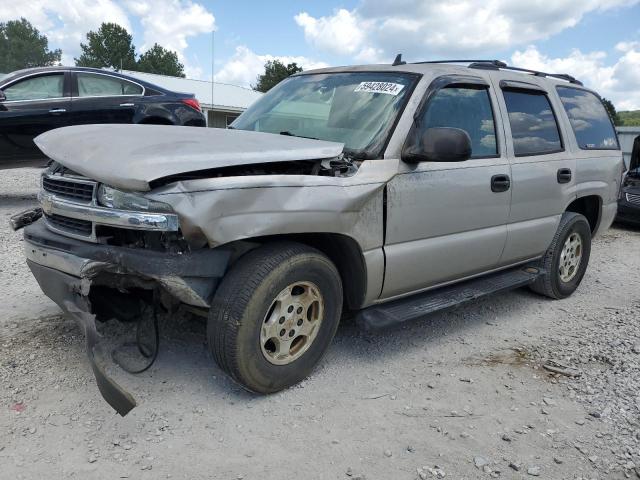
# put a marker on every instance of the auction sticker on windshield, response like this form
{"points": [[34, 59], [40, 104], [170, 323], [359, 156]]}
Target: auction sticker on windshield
{"points": [[380, 87]]}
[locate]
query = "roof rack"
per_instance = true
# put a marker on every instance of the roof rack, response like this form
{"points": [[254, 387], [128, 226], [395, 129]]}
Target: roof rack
{"points": [[500, 65]]}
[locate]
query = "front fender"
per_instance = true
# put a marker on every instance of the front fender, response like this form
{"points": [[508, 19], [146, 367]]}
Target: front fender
{"points": [[221, 210]]}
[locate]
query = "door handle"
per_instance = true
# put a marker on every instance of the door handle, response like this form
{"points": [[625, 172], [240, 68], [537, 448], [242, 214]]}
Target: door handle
{"points": [[57, 110], [500, 183], [564, 175], [126, 104]]}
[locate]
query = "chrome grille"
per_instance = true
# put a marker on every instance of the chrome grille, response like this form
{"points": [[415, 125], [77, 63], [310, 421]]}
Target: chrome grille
{"points": [[70, 225], [69, 188], [633, 198]]}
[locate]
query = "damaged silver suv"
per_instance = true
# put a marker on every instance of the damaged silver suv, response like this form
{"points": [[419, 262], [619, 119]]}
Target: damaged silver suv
{"points": [[384, 192]]}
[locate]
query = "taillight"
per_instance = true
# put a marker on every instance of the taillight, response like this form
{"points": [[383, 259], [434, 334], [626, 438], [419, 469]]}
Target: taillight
{"points": [[193, 103]]}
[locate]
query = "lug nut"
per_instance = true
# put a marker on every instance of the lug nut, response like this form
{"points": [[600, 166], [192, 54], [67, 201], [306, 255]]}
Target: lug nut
{"points": [[299, 322], [281, 320], [292, 333], [282, 332]]}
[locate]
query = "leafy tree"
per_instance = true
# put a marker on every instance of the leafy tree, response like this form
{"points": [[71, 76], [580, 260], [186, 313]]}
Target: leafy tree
{"points": [[630, 118], [160, 60], [274, 72], [611, 110], [22, 46], [110, 47]]}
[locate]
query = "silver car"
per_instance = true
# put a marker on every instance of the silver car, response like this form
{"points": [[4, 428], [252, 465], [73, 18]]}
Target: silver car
{"points": [[385, 192]]}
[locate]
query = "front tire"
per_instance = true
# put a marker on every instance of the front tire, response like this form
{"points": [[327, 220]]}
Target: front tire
{"points": [[274, 315], [566, 259]]}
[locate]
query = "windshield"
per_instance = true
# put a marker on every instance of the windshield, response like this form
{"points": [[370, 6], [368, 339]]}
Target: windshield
{"points": [[357, 109]]}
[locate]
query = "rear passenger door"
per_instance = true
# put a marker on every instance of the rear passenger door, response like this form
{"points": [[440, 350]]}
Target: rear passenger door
{"points": [[103, 98], [447, 220], [543, 170]]}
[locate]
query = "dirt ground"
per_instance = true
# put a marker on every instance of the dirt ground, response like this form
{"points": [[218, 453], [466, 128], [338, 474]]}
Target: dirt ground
{"points": [[460, 394]]}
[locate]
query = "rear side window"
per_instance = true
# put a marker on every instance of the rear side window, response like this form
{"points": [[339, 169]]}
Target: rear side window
{"points": [[91, 85], [589, 119], [468, 109], [533, 125]]}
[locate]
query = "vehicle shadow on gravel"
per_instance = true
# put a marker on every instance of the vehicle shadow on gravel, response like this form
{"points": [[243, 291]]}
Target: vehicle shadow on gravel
{"points": [[379, 346]]}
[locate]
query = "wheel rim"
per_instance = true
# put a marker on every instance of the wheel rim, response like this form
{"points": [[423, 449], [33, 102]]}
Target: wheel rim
{"points": [[570, 258], [291, 323]]}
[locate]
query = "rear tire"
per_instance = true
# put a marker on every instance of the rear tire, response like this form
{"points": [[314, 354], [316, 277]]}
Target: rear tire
{"points": [[567, 258], [280, 287]]}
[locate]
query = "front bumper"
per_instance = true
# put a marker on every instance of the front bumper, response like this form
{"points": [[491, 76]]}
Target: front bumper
{"points": [[66, 268], [629, 212]]}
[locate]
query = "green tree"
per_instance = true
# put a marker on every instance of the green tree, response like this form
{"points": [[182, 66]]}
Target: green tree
{"points": [[110, 47], [611, 110], [22, 46], [160, 60], [274, 72], [630, 118]]}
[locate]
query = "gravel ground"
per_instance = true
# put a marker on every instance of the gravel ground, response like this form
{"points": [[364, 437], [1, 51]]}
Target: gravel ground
{"points": [[462, 393]]}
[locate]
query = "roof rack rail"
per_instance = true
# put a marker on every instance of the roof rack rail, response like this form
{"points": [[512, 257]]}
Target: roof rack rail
{"points": [[504, 66], [498, 65], [495, 63]]}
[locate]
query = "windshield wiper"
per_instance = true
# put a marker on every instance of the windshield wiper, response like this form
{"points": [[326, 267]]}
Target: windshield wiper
{"points": [[289, 134]]}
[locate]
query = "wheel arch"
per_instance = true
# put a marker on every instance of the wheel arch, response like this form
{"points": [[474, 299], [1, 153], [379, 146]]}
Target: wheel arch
{"points": [[591, 207], [343, 250]]}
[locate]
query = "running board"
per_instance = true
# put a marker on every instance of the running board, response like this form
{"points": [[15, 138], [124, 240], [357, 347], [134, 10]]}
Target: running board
{"points": [[421, 304]]}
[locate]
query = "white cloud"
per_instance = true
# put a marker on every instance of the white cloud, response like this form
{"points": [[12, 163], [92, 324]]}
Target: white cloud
{"points": [[65, 22], [170, 23], [245, 65], [341, 33], [618, 82], [425, 29]]}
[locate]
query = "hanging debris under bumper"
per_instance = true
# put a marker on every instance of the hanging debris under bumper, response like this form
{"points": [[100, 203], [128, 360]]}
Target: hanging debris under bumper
{"points": [[67, 269]]}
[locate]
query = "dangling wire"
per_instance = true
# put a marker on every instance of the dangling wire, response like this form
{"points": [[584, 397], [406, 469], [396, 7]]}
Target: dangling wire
{"points": [[144, 350]]}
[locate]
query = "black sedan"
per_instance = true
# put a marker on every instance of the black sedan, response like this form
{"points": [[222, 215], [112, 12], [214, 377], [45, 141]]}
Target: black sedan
{"points": [[35, 100]]}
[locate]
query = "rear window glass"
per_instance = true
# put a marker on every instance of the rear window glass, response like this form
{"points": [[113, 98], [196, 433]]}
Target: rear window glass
{"points": [[533, 125], [589, 119]]}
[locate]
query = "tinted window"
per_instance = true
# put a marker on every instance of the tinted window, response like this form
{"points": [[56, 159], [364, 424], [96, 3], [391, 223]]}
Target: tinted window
{"points": [[36, 88], [468, 109], [90, 85], [589, 119], [533, 125]]}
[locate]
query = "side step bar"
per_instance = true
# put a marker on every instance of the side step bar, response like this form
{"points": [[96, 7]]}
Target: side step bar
{"points": [[421, 304]]}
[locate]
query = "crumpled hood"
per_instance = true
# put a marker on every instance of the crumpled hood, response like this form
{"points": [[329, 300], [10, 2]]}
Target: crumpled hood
{"points": [[131, 156]]}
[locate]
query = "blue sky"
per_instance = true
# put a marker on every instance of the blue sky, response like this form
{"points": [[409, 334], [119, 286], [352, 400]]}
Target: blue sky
{"points": [[596, 40]]}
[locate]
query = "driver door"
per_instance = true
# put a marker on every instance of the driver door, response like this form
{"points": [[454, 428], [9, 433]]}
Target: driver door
{"points": [[33, 105], [448, 220]]}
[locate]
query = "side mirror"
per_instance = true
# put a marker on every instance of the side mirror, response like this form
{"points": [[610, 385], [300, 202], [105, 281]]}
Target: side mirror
{"points": [[3, 97], [437, 144]]}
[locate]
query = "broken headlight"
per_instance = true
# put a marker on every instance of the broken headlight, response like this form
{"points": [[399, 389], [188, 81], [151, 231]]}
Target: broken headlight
{"points": [[112, 198]]}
